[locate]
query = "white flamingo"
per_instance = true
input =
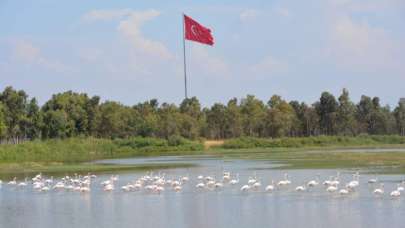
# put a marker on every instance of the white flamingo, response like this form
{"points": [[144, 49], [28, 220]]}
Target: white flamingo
{"points": [[13, 182], [332, 189], [313, 183], [400, 187], [257, 185], [245, 188], [344, 191], [177, 188], [395, 193], [300, 188], [380, 190], [285, 181], [200, 185], [23, 184], [235, 181], [373, 180], [270, 187]]}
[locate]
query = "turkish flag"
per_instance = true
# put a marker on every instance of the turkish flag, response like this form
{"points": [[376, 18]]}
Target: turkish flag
{"points": [[196, 32]]}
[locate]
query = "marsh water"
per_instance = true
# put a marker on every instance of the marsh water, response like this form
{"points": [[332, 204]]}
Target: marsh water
{"points": [[226, 207]]}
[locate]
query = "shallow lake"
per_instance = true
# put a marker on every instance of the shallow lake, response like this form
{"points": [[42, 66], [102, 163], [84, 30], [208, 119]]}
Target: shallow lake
{"points": [[224, 207]]}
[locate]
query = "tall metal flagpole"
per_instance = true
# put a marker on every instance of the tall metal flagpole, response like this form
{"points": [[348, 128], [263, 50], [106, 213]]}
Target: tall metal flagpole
{"points": [[184, 59]]}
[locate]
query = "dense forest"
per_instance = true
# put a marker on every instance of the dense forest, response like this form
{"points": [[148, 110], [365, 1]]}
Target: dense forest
{"points": [[71, 114]]}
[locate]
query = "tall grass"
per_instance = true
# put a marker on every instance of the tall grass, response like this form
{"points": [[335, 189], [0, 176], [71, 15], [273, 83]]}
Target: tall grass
{"points": [[74, 150], [319, 141]]}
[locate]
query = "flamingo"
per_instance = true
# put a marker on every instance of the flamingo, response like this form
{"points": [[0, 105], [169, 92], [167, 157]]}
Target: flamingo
{"points": [[379, 191], [344, 191], [177, 188], [218, 185], [313, 183], [328, 182], [108, 188], [200, 185], [331, 189], [23, 184], [245, 188], [127, 187], [270, 187], [44, 189], [159, 189], [185, 178], [285, 181], [85, 188], [200, 177], [400, 188], [226, 177], [300, 188], [373, 180], [13, 182], [59, 185], [210, 184], [235, 181], [395, 193]]}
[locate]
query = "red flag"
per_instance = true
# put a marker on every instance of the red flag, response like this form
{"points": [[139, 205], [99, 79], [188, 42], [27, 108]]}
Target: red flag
{"points": [[196, 32]]}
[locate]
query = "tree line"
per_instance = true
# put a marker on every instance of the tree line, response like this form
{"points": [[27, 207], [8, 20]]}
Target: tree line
{"points": [[71, 114]]}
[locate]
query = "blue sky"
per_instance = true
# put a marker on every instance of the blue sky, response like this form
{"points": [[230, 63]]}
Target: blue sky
{"points": [[131, 51]]}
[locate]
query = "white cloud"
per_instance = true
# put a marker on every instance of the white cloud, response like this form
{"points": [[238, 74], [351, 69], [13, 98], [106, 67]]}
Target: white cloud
{"points": [[248, 14], [130, 26], [268, 66], [204, 62], [359, 46], [106, 15], [25, 52]]}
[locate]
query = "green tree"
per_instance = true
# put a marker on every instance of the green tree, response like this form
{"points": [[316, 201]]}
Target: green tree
{"points": [[192, 117], [169, 120], [34, 120], [3, 126], [216, 121], [148, 124], [233, 119], [400, 117], [57, 124], [280, 117], [253, 113], [15, 103], [327, 112], [346, 115], [92, 108], [73, 105]]}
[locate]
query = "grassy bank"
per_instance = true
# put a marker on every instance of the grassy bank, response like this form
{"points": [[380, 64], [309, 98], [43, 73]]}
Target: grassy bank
{"points": [[70, 155], [76, 150], [319, 141]]}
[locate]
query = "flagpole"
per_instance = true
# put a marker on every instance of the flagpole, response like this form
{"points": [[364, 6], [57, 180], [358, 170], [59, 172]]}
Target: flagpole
{"points": [[184, 61]]}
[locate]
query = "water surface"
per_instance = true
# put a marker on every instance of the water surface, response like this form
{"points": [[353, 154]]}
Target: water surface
{"points": [[228, 207]]}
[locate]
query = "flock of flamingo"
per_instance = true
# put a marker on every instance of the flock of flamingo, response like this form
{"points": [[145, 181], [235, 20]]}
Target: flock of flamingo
{"points": [[159, 182]]}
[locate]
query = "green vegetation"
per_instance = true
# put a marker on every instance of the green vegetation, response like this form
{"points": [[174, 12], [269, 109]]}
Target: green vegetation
{"points": [[71, 128], [380, 160], [60, 156], [75, 150], [318, 141], [71, 114]]}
